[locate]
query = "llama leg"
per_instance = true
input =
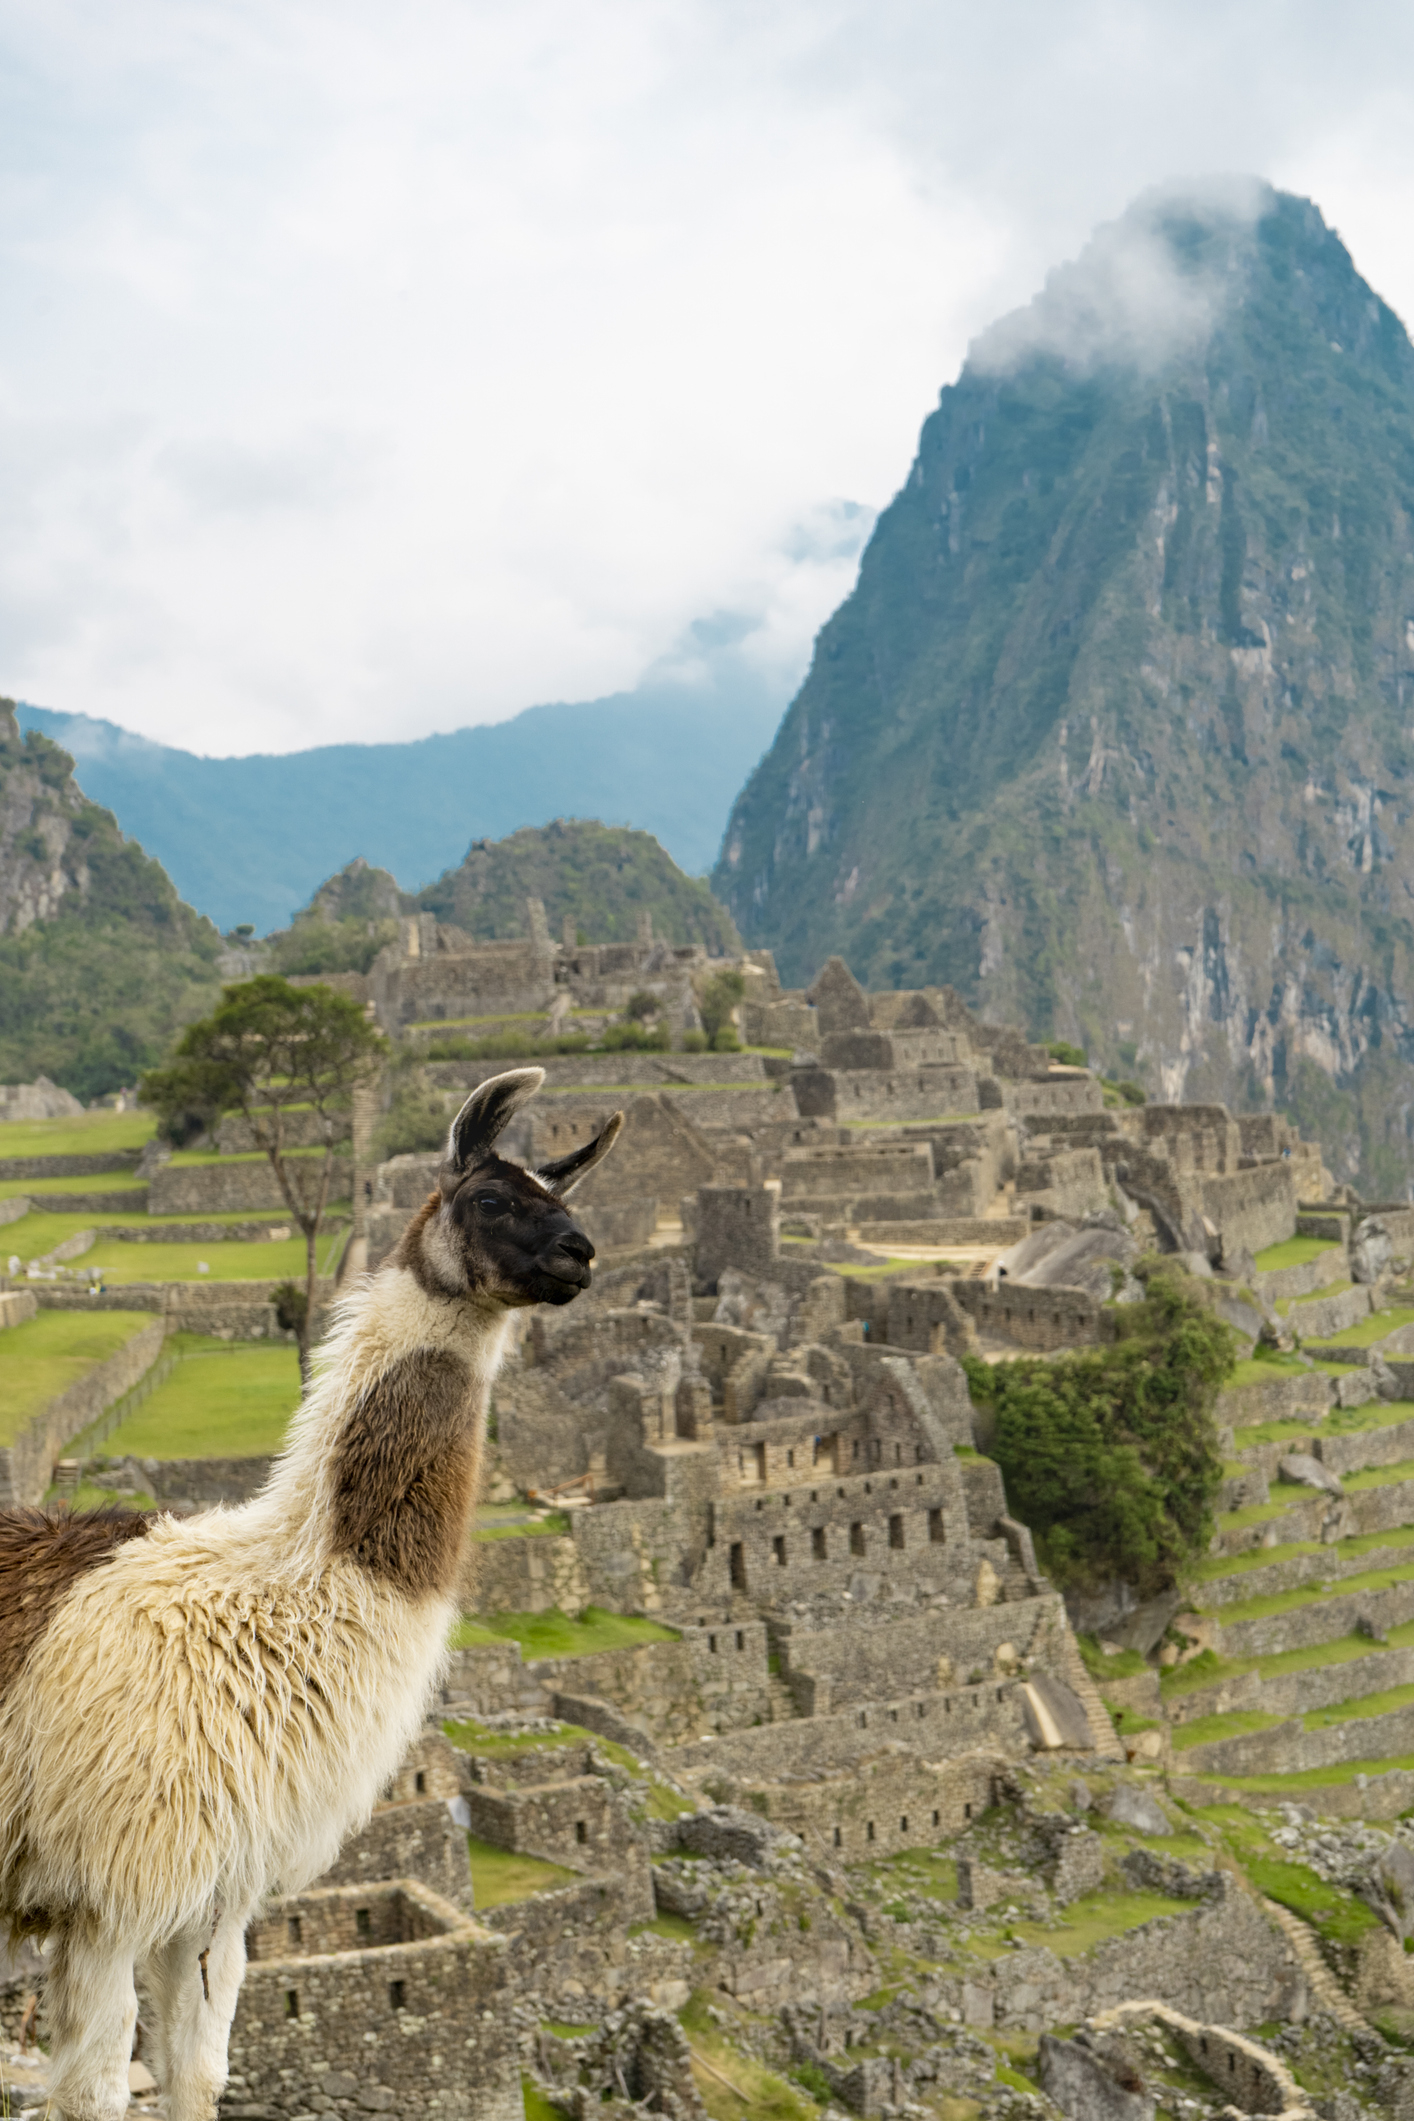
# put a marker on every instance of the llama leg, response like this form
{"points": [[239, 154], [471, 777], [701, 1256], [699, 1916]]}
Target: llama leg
{"points": [[193, 1982], [91, 2009]]}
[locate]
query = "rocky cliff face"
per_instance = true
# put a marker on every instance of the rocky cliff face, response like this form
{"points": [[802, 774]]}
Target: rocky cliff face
{"points": [[1116, 733], [100, 962]]}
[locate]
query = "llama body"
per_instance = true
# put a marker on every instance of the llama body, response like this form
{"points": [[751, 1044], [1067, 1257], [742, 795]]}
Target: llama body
{"points": [[210, 1709]]}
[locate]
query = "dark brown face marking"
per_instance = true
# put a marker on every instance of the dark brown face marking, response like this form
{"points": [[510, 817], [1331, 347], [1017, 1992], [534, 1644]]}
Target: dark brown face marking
{"points": [[42, 1555], [496, 1231], [405, 1468]]}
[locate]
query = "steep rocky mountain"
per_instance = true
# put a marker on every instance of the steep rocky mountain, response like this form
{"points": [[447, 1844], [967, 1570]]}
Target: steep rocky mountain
{"points": [[100, 962], [603, 877], [1116, 733]]}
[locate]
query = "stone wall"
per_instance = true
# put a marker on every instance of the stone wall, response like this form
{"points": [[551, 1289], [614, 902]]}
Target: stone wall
{"points": [[208, 1189], [1253, 1208], [27, 1464], [1039, 1319], [888, 1800], [421, 1840], [416, 2025]]}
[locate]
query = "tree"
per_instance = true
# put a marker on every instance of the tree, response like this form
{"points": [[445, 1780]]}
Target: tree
{"points": [[268, 1051], [1111, 1454]]}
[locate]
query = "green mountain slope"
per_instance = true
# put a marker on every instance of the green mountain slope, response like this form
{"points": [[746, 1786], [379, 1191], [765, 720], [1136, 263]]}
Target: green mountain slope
{"points": [[600, 876], [1116, 733], [100, 961]]}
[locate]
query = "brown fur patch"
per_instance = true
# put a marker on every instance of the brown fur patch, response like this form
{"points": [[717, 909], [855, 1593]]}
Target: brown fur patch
{"points": [[42, 1555], [405, 1470], [408, 1250]]}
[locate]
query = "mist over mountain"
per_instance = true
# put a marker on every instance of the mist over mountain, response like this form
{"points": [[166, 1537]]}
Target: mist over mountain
{"points": [[251, 839], [1116, 732]]}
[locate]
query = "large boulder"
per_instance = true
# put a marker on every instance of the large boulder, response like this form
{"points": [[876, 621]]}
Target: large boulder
{"points": [[1130, 1806], [1087, 2086], [1308, 1472]]}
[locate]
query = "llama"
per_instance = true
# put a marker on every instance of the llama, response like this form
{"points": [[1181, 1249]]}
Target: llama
{"points": [[196, 1712]]}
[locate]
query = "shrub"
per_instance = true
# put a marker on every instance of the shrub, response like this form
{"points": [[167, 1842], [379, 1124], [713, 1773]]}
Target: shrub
{"points": [[1068, 1056], [694, 1042], [632, 1038], [639, 1007], [415, 1122], [1133, 1093], [716, 1002], [1111, 1455]]}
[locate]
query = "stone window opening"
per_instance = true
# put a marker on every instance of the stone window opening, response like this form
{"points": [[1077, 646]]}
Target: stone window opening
{"points": [[893, 1483], [898, 1457], [893, 1715], [1000, 1693], [864, 1719], [967, 1811], [840, 1493], [760, 1504], [838, 1842], [292, 2003], [856, 1538], [856, 1447], [778, 1548], [712, 1645], [868, 1487], [790, 1460], [397, 1995], [937, 1531], [581, 1831], [817, 1543], [785, 1502], [363, 1922], [937, 1818], [738, 1565], [922, 1708], [761, 1463], [903, 1824], [741, 1638], [814, 1494], [419, 1782], [869, 1830], [896, 1532], [293, 1926]]}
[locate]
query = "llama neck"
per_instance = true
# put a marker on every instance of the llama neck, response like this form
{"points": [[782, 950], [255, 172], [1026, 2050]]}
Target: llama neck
{"points": [[386, 1325]]}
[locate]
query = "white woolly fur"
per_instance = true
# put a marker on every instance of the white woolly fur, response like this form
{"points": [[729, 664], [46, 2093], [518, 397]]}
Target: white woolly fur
{"points": [[216, 1709]]}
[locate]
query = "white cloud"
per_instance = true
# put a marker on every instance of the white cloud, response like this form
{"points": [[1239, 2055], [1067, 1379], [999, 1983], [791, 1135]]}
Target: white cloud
{"points": [[371, 371]]}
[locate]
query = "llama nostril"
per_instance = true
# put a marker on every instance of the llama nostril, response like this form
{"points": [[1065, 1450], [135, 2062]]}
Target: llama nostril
{"points": [[578, 1246]]}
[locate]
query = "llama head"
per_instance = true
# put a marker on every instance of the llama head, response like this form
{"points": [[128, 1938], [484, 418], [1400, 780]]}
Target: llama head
{"points": [[493, 1228]]}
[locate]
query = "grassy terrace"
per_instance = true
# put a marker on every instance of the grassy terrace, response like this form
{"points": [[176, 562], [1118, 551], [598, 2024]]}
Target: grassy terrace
{"points": [[52, 1351], [224, 1399], [498, 1877], [1316, 1594], [1369, 1330], [1316, 1778], [1341, 1421], [35, 1236], [1293, 1252], [86, 1134], [102, 1182], [1337, 1916], [555, 1634], [1315, 1296], [1207, 1669], [1218, 1567], [1263, 1369]]}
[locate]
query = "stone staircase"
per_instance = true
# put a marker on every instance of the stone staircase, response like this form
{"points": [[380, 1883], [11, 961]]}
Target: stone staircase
{"points": [[781, 1700], [1108, 1745]]}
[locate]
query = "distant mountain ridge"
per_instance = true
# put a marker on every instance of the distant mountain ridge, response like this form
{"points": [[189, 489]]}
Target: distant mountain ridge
{"points": [[251, 839], [1116, 733]]}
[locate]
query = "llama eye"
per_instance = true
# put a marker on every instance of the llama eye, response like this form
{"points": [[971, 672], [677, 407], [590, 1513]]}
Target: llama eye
{"points": [[491, 1204]]}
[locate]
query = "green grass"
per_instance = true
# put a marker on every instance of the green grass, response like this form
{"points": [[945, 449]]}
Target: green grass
{"points": [[497, 1877], [919, 1869], [554, 1526], [87, 1134], [1208, 1668], [1123, 1664], [88, 1496], [1283, 1495], [1368, 1330], [1336, 1915], [555, 1634], [1360, 1707], [101, 1182], [1217, 1567], [1232, 1723], [1095, 1918], [537, 2106], [1378, 1477], [225, 1399], [1339, 1777], [1314, 1594], [1341, 1421], [227, 1261], [1313, 1296], [1261, 1370], [760, 2094], [880, 1272], [53, 1350], [1293, 1252]]}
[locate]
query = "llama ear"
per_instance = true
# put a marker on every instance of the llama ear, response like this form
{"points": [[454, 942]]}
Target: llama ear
{"points": [[565, 1173], [484, 1115]]}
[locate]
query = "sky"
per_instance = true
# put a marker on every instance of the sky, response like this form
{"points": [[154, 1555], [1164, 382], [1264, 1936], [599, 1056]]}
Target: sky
{"points": [[371, 371]]}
